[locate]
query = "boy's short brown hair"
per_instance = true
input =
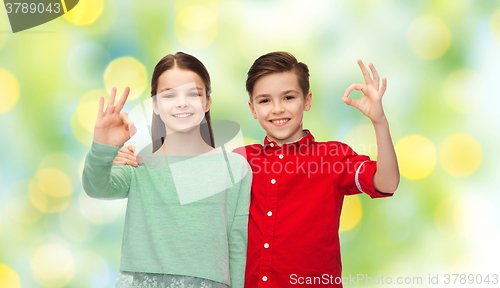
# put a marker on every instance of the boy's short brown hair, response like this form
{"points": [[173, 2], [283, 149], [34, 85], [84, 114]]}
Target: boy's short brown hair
{"points": [[276, 62]]}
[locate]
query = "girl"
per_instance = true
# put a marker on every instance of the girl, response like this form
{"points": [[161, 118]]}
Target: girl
{"points": [[186, 220]]}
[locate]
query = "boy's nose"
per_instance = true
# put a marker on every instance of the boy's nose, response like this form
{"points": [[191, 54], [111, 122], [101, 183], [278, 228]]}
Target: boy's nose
{"points": [[278, 110]]}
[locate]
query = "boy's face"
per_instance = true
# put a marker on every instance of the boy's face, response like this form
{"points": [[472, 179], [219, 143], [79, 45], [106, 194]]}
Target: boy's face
{"points": [[279, 105]]}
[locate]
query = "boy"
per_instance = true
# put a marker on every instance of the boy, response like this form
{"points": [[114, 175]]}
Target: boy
{"points": [[298, 184]]}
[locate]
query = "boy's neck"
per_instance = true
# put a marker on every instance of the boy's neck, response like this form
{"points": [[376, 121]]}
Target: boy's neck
{"points": [[293, 138]]}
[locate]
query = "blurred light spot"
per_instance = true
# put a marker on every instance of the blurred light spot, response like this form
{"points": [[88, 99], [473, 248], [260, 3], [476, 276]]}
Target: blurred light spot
{"points": [[55, 182], [4, 26], [85, 13], [81, 167], [86, 63], [53, 266], [52, 190], [464, 90], [351, 213], [478, 218], [196, 26], [126, 71], [9, 91], [17, 204], [100, 211], [416, 156], [82, 121], [63, 162], [445, 215], [428, 37], [460, 154], [73, 224], [400, 214], [249, 141], [92, 270], [494, 25], [8, 277], [362, 140]]}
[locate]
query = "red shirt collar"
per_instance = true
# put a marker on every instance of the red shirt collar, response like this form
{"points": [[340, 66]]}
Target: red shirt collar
{"points": [[304, 142]]}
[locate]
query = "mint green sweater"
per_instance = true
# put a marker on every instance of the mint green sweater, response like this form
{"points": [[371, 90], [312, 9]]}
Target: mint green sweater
{"points": [[185, 215]]}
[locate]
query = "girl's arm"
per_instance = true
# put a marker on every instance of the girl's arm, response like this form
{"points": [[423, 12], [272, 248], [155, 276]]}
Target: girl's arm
{"points": [[112, 129], [386, 178], [100, 178], [238, 229]]}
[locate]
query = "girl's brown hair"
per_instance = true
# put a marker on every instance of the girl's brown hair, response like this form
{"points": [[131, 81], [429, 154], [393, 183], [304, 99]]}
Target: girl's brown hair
{"points": [[186, 62], [276, 62]]}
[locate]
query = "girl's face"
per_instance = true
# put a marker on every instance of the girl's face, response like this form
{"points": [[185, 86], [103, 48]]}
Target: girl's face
{"points": [[181, 100]]}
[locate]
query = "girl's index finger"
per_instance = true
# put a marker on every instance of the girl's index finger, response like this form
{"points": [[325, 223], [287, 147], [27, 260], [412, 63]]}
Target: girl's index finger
{"points": [[366, 74], [123, 99], [376, 78]]}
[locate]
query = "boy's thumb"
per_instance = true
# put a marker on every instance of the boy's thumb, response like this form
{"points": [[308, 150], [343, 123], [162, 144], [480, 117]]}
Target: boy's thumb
{"points": [[131, 148]]}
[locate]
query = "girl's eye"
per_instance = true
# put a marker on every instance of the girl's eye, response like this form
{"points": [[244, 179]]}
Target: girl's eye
{"points": [[168, 96], [263, 101], [194, 95]]}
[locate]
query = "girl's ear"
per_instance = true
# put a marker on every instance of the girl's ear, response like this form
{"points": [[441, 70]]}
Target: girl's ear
{"points": [[155, 107], [209, 101]]}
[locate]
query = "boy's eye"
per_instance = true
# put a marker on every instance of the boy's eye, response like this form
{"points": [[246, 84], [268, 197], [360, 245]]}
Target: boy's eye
{"points": [[263, 101], [194, 94], [289, 97], [168, 96]]}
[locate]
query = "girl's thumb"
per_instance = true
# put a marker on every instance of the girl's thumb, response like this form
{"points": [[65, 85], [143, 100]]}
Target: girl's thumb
{"points": [[347, 100]]}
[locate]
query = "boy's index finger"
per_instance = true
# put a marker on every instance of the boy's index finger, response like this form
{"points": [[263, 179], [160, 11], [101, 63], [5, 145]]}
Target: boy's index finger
{"points": [[366, 74], [122, 100]]}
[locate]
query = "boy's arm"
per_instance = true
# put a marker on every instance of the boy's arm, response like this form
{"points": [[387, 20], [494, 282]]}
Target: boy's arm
{"points": [[386, 178]]}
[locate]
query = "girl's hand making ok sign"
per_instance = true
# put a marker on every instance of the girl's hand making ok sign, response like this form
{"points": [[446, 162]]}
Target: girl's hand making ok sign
{"points": [[371, 102], [112, 127]]}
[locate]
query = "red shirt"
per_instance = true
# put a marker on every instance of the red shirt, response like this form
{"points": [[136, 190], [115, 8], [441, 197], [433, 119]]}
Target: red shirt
{"points": [[297, 195]]}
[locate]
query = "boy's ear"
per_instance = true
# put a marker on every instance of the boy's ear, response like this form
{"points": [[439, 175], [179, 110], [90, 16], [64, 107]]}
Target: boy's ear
{"points": [[252, 109], [308, 101]]}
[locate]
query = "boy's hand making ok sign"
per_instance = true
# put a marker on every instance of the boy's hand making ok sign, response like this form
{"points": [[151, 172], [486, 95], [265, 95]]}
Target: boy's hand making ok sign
{"points": [[371, 102], [112, 127]]}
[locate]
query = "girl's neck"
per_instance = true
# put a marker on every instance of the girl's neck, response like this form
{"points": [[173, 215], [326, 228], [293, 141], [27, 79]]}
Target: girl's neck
{"points": [[185, 143]]}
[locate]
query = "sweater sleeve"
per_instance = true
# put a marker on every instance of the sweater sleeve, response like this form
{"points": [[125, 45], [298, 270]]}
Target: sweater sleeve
{"points": [[238, 231], [100, 178]]}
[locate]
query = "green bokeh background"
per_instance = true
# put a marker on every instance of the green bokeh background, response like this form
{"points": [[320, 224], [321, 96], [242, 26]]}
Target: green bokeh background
{"points": [[53, 235]]}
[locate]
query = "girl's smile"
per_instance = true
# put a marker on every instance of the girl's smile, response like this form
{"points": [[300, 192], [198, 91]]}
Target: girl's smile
{"points": [[183, 116]]}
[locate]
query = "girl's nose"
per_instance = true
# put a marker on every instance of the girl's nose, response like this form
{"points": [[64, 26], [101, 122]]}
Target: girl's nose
{"points": [[181, 101]]}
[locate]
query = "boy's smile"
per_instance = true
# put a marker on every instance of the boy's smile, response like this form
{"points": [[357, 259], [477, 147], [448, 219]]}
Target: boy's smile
{"points": [[279, 105]]}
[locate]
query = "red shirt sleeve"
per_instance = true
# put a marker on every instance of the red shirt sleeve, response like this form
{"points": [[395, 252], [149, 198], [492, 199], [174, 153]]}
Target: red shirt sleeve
{"points": [[355, 172]]}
